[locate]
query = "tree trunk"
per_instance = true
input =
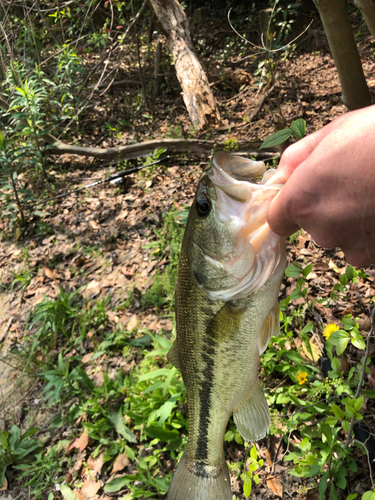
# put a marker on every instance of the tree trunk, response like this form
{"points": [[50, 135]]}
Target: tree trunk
{"points": [[367, 8], [336, 22], [196, 90]]}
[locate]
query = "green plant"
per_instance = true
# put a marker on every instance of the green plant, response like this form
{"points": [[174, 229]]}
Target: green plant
{"points": [[44, 472], [249, 476], [16, 448], [297, 129], [321, 454]]}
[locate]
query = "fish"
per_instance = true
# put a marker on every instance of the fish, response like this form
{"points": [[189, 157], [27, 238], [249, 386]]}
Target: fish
{"points": [[226, 305]]}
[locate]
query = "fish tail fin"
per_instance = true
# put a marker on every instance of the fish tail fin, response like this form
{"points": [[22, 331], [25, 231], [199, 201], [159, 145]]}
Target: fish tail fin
{"points": [[185, 485]]}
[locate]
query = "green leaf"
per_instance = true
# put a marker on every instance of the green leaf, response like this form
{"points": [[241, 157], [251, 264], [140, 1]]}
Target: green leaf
{"points": [[352, 496], [337, 411], [340, 477], [277, 138], [247, 486], [160, 433], [343, 279], [293, 271], [369, 393], [307, 270], [253, 453], [369, 495], [332, 492], [305, 444], [357, 340], [307, 328], [323, 486], [298, 128], [117, 420], [350, 272], [327, 431], [117, 484], [67, 493], [162, 372], [340, 339], [167, 408]]}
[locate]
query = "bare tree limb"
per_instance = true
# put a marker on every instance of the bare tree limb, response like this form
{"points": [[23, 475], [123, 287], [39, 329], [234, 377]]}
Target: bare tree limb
{"points": [[173, 146]]}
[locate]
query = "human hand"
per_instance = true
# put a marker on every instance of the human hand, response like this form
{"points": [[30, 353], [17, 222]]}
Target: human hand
{"points": [[329, 187]]}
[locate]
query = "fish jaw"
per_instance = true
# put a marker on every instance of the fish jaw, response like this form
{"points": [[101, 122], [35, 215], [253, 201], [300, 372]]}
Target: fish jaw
{"points": [[244, 205]]}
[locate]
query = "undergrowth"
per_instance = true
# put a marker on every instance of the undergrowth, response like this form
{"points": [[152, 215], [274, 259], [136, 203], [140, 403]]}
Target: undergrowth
{"points": [[142, 412]]}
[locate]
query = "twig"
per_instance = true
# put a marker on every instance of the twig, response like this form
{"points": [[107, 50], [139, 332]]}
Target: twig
{"points": [[250, 117], [368, 457], [264, 48], [139, 62], [108, 179], [359, 387]]}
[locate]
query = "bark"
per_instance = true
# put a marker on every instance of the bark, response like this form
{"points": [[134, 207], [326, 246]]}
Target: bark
{"points": [[367, 8], [196, 91], [336, 22]]}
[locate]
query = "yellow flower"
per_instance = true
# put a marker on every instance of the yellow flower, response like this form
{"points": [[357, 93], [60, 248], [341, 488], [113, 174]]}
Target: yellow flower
{"points": [[301, 377], [329, 329]]}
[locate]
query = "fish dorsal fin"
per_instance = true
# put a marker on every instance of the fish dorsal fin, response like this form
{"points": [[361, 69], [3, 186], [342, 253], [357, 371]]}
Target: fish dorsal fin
{"points": [[173, 357], [271, 328], [252, 417]]}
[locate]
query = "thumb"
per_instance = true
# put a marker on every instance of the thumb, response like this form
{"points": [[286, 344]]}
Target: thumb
{"points": [[279, 215]]}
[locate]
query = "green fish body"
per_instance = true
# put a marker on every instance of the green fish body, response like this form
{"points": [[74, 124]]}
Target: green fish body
{"points": [[230, 270]]}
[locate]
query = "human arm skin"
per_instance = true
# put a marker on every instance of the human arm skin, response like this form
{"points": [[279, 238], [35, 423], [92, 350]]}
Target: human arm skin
{"points": [[329, 187]]}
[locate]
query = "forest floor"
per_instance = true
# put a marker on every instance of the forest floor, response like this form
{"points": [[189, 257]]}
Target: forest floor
{"points": [[104, 241]]}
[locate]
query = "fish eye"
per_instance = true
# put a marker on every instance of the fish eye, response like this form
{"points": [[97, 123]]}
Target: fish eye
{"points": [[203, 207]]}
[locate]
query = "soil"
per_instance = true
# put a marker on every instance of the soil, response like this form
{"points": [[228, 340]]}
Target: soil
{"points": [[120, 222]]}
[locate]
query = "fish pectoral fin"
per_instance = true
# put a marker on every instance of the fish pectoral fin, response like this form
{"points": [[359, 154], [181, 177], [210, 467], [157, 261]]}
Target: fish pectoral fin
{"points": [[252, 417], [173, 357], [271, 328]]}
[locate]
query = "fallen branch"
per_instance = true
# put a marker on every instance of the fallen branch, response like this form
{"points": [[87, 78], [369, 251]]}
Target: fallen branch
{"points": [[173, 146]]}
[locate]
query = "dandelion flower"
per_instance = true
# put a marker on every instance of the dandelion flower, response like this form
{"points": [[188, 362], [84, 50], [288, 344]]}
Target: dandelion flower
{"points": [[329, 329], [301, 377]]}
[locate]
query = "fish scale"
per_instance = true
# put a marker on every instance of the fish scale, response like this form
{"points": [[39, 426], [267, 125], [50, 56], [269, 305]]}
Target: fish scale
{"points": [[219, 340]]}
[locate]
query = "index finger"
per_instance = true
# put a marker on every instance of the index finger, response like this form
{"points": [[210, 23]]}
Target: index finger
{"points": [[293, 156]]}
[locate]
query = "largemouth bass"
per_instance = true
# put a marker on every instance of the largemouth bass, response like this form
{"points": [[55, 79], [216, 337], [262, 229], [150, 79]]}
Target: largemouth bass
{"points": [[230, 269]]}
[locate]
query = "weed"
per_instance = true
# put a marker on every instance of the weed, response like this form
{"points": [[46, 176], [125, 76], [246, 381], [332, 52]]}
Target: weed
{"points": [[16, 448]]}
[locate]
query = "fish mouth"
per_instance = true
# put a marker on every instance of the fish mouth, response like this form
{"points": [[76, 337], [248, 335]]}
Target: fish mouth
{"points": [[243, 204]]}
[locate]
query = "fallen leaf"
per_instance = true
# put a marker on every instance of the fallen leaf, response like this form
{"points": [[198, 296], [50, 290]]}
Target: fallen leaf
{"points": [[120, 463], [95, 464], [333, 266], [269, 458], [315, 353], [98, 379], [49, 273], [86, 358], [4, 486], [275, 486], [80, 443], [92, 290], [132, 323], [94, 224], [90, 487]]}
